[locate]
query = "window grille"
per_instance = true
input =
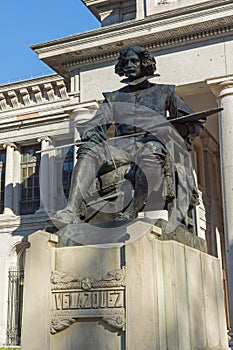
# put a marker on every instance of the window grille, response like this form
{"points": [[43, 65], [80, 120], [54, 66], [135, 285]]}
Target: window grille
{"points": [[15, 304]]}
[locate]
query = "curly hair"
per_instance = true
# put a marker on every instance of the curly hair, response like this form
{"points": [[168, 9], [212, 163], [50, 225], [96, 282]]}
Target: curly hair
{"points": [[148, 63]]}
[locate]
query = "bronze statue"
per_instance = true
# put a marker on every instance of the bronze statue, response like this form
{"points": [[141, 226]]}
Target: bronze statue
{"points": [[137, 111]]}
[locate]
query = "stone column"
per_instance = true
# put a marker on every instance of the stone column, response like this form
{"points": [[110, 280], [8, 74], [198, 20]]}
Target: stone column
{"points": [[140, 9], [151, 7], [75, 86], [52, 181], [1, 171], [79, 116], [9, 178], [223, 89], [17, 180], [44, 174]]}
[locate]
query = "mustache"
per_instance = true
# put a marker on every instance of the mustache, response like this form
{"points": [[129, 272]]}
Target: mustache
{"points": [[130, 70]]}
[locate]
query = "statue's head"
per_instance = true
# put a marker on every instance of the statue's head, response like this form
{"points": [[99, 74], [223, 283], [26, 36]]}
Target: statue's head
{"points": [[135, 62]]}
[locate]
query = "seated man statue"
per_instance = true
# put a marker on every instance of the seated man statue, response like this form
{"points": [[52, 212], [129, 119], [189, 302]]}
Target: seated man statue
{"points": [[139, 112]]}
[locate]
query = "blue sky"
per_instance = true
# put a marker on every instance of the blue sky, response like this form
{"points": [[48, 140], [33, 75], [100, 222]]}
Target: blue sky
{"points": [[25, 22]]}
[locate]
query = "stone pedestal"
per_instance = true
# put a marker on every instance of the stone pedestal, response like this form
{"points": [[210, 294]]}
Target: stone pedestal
{"points": [[141, 295]]}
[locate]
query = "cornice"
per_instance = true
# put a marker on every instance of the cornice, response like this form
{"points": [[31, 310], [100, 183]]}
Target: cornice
{"points": [[57, 127], [24, 223], [177, 27], [216, 5], [31, 82], [32, 122], [32, 94]]}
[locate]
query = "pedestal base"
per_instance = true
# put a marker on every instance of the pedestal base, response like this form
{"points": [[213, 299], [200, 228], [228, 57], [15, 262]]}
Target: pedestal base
{"points": [[147, 294]]}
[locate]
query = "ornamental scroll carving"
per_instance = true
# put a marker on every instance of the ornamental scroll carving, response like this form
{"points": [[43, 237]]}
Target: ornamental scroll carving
{"points": [[76, 299]]}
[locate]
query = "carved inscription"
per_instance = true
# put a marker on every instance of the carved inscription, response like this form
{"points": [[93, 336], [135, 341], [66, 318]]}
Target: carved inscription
{"points": [[89, 300], [74, 299]]}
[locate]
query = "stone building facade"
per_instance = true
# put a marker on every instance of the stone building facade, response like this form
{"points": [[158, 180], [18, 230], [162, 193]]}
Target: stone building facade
{"points": [[192, 42]]}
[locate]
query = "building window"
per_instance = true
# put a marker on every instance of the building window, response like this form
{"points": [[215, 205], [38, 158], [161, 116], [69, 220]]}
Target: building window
{"points": [[67, 171], [65, 164], [2, 178], [30, 188]]}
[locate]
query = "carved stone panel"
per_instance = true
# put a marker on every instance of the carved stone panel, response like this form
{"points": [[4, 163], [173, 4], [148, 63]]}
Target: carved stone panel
{"points": [[76, 299]]}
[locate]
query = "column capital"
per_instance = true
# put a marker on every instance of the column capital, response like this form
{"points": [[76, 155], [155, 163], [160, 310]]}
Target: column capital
{"points": [[83, 111], [10, 144], [221, 86], [44, 138]]}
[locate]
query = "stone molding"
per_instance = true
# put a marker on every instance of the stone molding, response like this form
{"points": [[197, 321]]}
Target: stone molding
{"points": [[177, 27], [31, 123], [63, 319], [25, 224], [32, 92], [62, 280]]}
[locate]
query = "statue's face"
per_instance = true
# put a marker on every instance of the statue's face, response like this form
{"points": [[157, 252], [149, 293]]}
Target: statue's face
{"points": [[132, 66]]}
